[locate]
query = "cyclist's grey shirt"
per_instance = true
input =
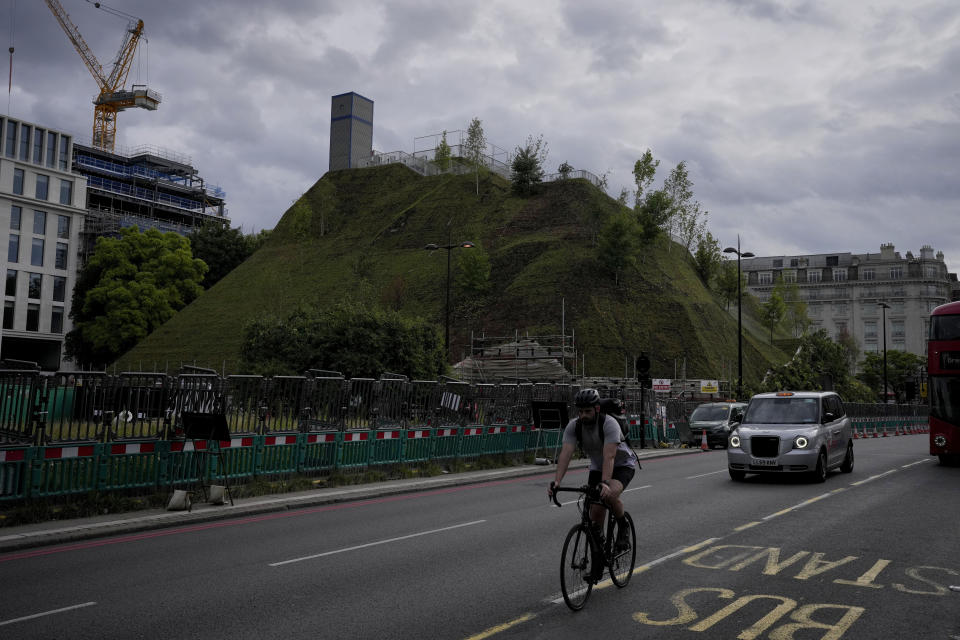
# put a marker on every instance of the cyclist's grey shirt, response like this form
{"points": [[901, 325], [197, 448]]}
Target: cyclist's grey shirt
{"points": [[592, 446]]}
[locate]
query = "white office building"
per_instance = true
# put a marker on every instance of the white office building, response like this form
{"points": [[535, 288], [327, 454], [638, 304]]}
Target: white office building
{"points": [[42, 208], [844, 292]]}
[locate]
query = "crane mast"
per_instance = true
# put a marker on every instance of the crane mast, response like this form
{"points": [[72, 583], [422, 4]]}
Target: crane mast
{"points": [[112, 97]]}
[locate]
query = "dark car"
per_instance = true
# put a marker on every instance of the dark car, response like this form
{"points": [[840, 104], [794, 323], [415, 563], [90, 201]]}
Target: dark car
{"points": [[717, 419]]}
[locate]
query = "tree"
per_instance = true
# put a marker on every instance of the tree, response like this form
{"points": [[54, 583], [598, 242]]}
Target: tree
{"points": [[727, 281], [475, 145], [527, 165], [772, 311], [652, 214], [618, 243], [796, 309], [442, 155], [357, 340], [818, 362], [473, 272], [565, 169], [708, 258], [222, 249], [129, 287], [644, 171], [687, 216], [902, 367]]}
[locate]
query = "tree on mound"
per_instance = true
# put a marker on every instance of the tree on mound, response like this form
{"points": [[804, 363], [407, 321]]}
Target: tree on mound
{"points": [[129, 287], [356, 340]]}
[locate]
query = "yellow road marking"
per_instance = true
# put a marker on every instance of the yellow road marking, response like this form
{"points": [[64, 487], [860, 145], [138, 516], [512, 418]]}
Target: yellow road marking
{"points": [[492, 631], [744, 527]]}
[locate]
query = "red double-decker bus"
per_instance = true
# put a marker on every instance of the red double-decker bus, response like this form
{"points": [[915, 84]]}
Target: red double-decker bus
{"points": [[943, 370]]}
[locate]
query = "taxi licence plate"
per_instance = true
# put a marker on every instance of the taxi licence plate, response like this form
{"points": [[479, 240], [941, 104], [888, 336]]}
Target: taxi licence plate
{"points": [[763, 462]]}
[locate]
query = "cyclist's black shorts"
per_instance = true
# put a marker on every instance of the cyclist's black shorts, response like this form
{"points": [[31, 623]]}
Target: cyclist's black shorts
{"points": [[624, 474]]}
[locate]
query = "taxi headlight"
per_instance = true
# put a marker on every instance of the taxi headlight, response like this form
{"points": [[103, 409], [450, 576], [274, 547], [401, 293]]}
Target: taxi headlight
{"points": [[735, 441], [801, 442]]}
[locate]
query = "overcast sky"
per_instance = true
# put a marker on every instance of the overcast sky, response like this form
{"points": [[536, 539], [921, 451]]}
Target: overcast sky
{"points": [[807, 126]]}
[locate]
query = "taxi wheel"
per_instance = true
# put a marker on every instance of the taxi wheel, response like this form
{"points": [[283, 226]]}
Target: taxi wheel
{"points": [[847, 465], [737, 476], [820, 474]]}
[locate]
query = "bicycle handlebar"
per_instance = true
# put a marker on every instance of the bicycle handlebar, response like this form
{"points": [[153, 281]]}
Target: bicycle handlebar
{"points": [[591, 492]]}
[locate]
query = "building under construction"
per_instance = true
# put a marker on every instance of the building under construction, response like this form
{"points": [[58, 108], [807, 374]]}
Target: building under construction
{"points": [[146, 187]]}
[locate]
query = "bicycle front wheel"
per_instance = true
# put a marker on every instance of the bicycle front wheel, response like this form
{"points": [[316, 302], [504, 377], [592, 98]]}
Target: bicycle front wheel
{"points": [[575, 568], [622, 560]]}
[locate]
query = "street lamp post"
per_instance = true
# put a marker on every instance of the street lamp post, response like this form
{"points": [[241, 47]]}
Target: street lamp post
{"points": [[745, 254], [446, 308], [884, 306]]}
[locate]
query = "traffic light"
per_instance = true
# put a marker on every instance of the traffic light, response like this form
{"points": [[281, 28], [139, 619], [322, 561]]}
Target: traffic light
{"points": [[643, 371]]}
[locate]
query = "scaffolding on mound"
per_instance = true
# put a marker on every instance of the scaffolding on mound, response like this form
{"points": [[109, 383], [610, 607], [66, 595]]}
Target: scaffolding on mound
{"points": [[518, 358]]}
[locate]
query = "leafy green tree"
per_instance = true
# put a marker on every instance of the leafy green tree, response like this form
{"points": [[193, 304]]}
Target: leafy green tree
{"points": [[527, 166], [653, 213], [357, 340], [442, 154], [565, 169], [129, 287], [902, 367], [618, 244], [688, 218], [644, 171], [772, 311], [708, 258], [222, 249], [818, 363], [475, 145], [796, 313], [473, 272], [726, 281]]}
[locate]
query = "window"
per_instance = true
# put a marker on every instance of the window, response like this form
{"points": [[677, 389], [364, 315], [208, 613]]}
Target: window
{"points": [[15, 218], [36, 252], [868, 273], [840, 292], [869, 329], [18, 182], [931, 272], [63, 227], [840, 309], [33, 317], [896, 306], [789, 276], [38, 146], [64, 146], [56, 320], [794, 262], [896, 273], [11, 139], [35, 285], [813, 294], [765, 277], [778, 263], [896, 328], [841, 328], [8, 309], [24, 142], [839, 275], [61, 257], [43, 186], [833, 261], [11, 282], [814, 309], [40, 222], [66, 191], [13, 248], [51, 148], [813, 275], [59, 288]]}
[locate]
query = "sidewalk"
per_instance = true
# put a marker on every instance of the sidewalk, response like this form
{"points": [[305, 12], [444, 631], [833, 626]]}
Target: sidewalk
{"points": [[63, 531]]}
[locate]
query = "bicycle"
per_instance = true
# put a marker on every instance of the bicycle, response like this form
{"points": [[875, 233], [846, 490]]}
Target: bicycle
{"points": [[582, 547]]}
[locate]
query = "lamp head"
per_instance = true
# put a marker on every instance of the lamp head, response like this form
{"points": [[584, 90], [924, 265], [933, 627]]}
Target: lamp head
{"points": [[746, 254], [431, 247], [466, 244], [729, 250]]}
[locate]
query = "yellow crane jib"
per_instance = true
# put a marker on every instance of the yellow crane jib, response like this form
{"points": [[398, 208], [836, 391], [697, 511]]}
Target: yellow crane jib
{"points": [[113, 97]]}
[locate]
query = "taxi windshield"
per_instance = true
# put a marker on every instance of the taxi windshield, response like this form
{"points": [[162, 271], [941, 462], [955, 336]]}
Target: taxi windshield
{"points": [[710, 413], [790, 410]]}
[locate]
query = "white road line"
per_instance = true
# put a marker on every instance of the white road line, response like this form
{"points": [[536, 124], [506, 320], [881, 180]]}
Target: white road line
{"points": [[797, 506], [704, 475], [879, 475], [378, 542], [917, 462], [47, 613]]}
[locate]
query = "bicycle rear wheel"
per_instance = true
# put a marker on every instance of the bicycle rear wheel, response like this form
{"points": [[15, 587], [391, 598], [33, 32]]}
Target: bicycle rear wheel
{"points": [[622, 561], [575, 567]]}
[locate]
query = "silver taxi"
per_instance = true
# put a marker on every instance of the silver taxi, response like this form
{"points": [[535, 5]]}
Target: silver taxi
{"points": [[792, 432]]}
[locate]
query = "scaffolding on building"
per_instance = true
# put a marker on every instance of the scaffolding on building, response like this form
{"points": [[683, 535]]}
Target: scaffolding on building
{"points": [[518, 358]]}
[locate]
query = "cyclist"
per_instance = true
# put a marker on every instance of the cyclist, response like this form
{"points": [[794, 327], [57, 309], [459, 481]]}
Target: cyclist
{"points": [[612, 462]]}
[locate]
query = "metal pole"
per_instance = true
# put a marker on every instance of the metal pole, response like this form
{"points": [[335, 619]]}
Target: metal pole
{"points": [[739, 328], [446, 322], [884, 310]]}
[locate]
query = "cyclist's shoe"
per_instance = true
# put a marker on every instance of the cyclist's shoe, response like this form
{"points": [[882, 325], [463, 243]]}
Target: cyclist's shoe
{"points": [[622, 542], [593, 577]]}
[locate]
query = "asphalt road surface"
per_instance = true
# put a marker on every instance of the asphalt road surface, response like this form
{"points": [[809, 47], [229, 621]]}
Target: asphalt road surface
{"points": [[871, 554]]}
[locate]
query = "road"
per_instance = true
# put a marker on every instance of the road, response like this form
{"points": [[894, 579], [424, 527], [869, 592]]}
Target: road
{"points": [[870, 554]]}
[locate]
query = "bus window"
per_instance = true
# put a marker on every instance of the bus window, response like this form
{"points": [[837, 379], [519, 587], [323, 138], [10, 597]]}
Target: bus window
{"points": [[945, 328]]}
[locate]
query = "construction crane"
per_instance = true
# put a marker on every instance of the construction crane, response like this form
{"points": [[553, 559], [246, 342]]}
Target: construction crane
{"points": [[113, 97]]}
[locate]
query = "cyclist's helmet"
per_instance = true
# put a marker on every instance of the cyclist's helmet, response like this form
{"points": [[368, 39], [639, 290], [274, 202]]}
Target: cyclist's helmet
{"points": [[587, 398]]}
